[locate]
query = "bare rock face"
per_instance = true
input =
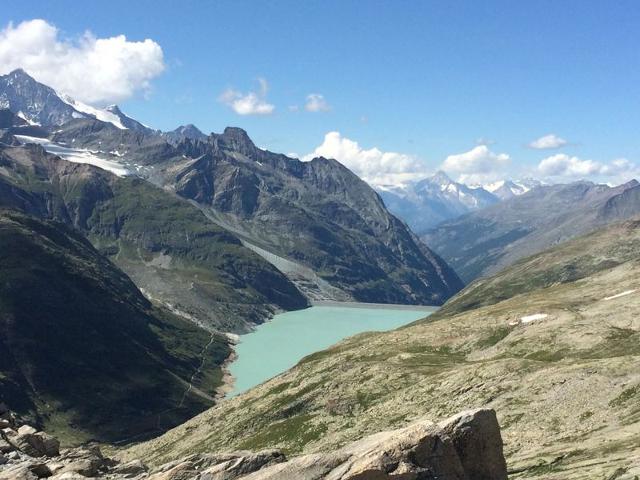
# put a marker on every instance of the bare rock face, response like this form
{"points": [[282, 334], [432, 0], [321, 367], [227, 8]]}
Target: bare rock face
{"points": [[465, 447], [476, 438]]}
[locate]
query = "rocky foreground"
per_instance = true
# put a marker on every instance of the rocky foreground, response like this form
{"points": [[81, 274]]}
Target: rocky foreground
{"points": [[465, 447]]}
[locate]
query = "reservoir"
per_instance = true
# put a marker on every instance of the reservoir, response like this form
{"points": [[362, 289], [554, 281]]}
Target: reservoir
{"points": [[279, 344]]}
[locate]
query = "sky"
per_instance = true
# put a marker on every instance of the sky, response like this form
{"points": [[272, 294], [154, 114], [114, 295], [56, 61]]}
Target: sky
{"points": [[394, 89]]}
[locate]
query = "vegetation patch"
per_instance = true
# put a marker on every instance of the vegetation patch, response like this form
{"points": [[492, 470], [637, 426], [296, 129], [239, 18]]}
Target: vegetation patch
{"points": [[291, 434]]}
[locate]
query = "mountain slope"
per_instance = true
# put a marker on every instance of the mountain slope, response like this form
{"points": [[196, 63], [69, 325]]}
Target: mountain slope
{"points": [[428, 202], [82, 352], [557, 360], [483, 242], [167, 246], [318, 222], [318, 214]]}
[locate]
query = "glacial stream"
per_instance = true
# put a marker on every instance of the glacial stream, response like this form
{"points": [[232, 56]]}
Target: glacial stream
{"points": [[279, 344]]}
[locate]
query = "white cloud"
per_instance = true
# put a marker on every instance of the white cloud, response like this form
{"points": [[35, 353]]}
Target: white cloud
{"points": [[316, 103], [372, 165], [548, 142], [564, 166], [90, 69], [477, 165], [250, 103]]}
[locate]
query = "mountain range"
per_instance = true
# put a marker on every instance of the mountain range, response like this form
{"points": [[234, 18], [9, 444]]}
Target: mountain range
{"points": [[316, 221], [483, 242], [426, 203]]}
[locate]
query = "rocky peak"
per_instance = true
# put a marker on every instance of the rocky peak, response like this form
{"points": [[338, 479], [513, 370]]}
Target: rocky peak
{"points": [[441, 178], [32, 100], [126, 121], [21, 76], [236, 139]]}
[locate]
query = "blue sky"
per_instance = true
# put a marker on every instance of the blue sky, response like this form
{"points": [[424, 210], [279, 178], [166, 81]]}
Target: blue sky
{"points": [[423, 80]]}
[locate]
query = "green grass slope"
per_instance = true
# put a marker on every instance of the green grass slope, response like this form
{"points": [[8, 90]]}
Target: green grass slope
{"points": [[566, 386]]}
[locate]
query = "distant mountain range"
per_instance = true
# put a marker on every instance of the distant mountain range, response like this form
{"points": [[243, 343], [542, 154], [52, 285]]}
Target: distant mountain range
{"points": [[484, 242], [425, 203]]}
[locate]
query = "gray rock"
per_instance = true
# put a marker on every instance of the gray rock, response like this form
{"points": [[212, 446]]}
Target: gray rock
{"points": [[26, 430], [34, 443], [476, 437], [39, 469], [465, 447], [129, 469], [18, 472], [5, 447]]}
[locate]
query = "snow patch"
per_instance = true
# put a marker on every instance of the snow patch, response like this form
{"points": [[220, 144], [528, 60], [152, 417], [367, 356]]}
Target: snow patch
{"points": [[77, 155], [24, 117], [102, 115], [533, 318], [621, 294]]}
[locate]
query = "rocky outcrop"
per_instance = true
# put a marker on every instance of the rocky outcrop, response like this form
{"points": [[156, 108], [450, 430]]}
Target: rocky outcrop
{"points": [[465, 447]]}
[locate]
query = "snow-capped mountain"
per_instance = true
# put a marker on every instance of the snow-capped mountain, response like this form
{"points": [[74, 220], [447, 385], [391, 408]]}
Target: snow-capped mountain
{"points": [[425, 203], [126, 121], [41, 105], [505, 189]]}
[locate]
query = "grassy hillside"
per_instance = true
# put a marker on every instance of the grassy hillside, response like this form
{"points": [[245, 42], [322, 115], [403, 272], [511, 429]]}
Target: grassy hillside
{"points": [[556, 357], [165, 244], [82, 352]]}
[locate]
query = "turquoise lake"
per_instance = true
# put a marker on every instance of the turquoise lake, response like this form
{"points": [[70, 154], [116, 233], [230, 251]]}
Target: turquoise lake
{"points": [[278, 345]]}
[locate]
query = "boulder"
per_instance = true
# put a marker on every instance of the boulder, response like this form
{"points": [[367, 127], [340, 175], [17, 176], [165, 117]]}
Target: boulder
{"points": [[18, 472], [477, 440], [34, 443], [129, 469], [419, 451], [87, 461], [39, 469], [5, 447], [26, 430]]}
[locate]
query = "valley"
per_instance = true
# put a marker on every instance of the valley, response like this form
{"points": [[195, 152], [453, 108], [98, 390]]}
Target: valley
{"points": [[431, 271], [556, 357]]}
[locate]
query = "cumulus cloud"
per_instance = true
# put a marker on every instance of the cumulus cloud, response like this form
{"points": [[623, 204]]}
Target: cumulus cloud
{"points": [[372, 165], [316, 103], [477, 165], [571, 167], [90, 69], [548, 142], [250, 103]]}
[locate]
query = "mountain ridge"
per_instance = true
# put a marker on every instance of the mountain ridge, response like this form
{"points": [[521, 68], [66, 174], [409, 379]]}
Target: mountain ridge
{"points": [[483, 242]]}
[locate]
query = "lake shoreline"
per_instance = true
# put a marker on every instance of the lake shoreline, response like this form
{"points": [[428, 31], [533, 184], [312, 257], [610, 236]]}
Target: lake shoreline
{"points": [[278, 344], [386, 306]]}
